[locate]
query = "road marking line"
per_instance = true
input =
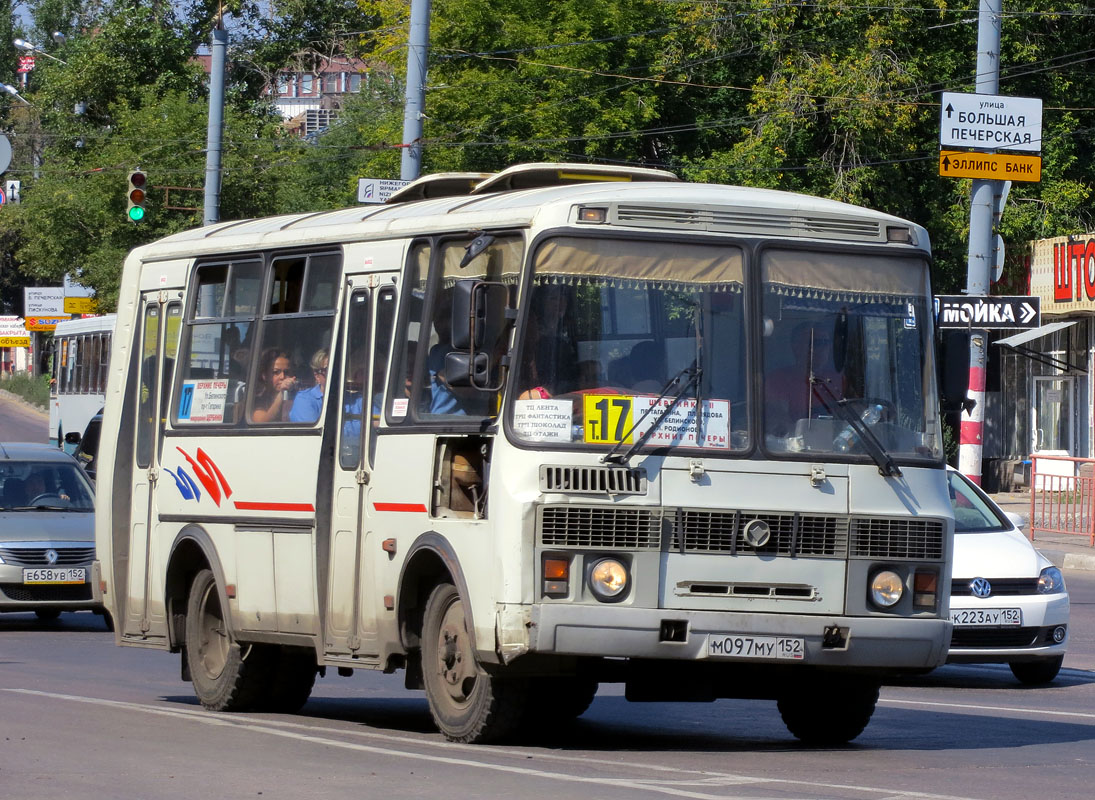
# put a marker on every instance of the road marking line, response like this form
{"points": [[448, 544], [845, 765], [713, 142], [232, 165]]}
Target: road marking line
{"points": [[675, 788], [972, 706]]}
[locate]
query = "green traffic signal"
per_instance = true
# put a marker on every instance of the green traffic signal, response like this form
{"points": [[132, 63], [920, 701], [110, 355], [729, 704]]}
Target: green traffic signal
{"points": [[136, 196]]}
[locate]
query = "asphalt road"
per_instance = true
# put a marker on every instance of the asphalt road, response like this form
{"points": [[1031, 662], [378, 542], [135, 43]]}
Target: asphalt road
{"points": [[21, 423], [80, 717]]}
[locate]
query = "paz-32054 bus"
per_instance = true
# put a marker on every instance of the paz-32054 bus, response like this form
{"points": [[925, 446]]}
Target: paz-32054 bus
{"points": [[522, 434]]}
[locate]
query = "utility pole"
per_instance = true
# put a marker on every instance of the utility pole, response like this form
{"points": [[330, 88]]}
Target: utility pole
{"points": [[418, 44], [215, 130], [981, 243]]}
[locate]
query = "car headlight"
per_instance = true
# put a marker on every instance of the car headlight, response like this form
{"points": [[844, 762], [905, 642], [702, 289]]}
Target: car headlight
{"points": [[886, 588], [1051, 581], [608, 579]]}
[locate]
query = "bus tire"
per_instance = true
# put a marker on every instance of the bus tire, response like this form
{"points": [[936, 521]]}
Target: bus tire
{"points": [[1034, 673], [291, 681], [467, 704], [829, 712], [555, 702], [225, 677]]}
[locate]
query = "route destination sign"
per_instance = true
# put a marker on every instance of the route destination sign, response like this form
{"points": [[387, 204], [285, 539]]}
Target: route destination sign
{"points": [[974, 311], [990, 166], [991, 122]]}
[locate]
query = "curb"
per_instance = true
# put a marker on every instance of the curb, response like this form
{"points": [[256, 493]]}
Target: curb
{"points": [[1077, 561]]}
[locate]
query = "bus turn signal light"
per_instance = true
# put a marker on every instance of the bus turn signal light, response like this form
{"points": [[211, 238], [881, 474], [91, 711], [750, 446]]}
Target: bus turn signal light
{"points": [[556, 576]]}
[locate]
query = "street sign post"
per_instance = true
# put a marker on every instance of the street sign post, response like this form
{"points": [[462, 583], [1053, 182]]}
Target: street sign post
{"points": [[1005, 312], [990, 166], [991, 122]]}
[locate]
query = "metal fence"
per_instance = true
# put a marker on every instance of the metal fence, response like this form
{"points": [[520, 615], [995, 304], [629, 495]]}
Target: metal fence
{"points": [[1062, 496]]}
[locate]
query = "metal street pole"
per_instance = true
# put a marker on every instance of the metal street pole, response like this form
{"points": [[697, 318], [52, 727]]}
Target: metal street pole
{"points": [[215, 130], [418, 44], [981, 243]]}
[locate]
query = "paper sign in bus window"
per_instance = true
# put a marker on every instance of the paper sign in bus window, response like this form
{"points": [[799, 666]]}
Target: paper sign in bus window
{"points": [[543, 420], [202, 401], [609, 420]]}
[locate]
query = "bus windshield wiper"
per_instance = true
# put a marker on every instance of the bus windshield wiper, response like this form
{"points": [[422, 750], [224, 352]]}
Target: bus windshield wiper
{"points": [[884, 460], [693, 372]]}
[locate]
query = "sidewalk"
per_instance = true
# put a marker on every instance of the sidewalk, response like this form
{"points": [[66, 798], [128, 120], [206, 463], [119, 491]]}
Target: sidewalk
{"points": [[1067, 551]]}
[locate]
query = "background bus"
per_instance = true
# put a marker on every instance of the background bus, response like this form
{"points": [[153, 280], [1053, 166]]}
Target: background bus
{"points": [[81, 357]]}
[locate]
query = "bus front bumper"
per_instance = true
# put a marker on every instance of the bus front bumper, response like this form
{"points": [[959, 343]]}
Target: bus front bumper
{"points": [[887, 643]]}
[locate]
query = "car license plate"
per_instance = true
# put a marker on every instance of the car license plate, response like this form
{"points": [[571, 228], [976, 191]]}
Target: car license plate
{"points": [[740, 645], [986, 617], [55, 575]]}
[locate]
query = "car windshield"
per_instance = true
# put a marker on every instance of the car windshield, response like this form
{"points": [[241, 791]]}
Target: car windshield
{"points": [[43, 485], [972, 512]]}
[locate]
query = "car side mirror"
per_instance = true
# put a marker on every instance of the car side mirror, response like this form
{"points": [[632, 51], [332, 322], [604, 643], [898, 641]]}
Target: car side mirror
{"points": [[72, 437]]}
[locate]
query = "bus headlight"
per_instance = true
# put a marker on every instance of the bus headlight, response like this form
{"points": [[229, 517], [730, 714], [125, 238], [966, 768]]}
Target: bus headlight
{"points": [[886, 588], [608, 579]]}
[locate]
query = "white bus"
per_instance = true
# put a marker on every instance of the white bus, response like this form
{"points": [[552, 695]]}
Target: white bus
{"points": [[579, 425], [81, 354]]}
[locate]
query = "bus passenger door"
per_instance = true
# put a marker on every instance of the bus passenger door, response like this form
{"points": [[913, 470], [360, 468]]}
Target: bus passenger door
{"points": [[350, 625], [145, 616]]}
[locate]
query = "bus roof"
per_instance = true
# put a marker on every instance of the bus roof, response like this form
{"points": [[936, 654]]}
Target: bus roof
{"points": [[98, 324], [665, 206]]}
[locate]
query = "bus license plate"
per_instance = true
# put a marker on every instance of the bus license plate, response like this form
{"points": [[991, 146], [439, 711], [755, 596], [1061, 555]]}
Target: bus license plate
{"points": [[986, 617], [55, 575], [739, 645]]}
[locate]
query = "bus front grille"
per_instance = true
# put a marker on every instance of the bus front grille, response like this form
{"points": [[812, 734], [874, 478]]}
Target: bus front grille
{"points": [[897, 538], [592, 480], [600, 527], [791, 534]]}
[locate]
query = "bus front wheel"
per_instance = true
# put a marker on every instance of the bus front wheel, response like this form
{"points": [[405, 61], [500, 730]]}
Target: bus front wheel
{"points": [[225, 677], [830, 711], [467, 703]]}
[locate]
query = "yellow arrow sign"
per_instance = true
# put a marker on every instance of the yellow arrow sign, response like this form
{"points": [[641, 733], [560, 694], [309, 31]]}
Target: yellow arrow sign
{"points": [[990, 166]]}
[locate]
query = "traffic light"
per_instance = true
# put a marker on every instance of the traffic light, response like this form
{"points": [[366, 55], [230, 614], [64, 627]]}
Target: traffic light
{"points": [[136, 195]]}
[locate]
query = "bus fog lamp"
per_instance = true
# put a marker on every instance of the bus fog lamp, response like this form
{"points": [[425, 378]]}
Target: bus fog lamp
{"points": [[886, 588], [608, 579]]}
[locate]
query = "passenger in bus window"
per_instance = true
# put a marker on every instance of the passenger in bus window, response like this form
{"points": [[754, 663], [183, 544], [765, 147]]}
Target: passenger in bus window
{"points": [[276, 384], [789, 393], [308, 403], [550, 355], [443, 399]]}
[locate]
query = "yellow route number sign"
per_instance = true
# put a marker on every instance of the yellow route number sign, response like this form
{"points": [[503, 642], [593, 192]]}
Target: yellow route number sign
{"points": [[990, 166], [607, 418]]}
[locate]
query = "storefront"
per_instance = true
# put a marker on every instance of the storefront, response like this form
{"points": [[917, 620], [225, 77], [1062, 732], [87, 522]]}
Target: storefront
{"points": [[1039, 391]]}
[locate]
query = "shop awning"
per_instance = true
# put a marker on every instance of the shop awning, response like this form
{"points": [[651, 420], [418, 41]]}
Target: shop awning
{"points": [[1034, 333], [1017, 341]]}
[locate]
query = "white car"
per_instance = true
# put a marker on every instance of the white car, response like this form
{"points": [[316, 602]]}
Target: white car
{"points": [[1008, 602]]}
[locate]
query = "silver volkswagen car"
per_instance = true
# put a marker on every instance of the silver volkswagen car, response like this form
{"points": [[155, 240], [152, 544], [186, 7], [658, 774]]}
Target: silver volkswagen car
{"points": [[47, 531]]}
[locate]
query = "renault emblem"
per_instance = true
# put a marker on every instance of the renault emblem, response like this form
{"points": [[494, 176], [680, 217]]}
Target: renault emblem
{"points": [[980, 587], [51, 556]]}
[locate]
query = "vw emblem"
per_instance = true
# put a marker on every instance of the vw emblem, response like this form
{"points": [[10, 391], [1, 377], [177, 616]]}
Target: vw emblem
{"points": [[51, 556], [980, 587], [757, 533]]}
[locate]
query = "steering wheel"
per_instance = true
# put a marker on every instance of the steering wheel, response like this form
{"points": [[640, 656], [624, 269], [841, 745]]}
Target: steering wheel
{"points": [[45, 496]]}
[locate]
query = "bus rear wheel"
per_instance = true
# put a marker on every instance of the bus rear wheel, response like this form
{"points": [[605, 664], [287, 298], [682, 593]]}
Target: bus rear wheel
{"points": [[830, 711], [225, 677], [467, 703]]}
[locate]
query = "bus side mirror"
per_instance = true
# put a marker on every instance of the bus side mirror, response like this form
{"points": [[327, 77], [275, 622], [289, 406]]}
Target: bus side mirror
{"points": [[466, 369], [478, 314], [953, 367]]}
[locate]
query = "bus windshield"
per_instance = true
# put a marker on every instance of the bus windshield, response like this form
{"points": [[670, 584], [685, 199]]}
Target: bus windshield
{"points": [[624, 340], [628, 338], [848, 355]]}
